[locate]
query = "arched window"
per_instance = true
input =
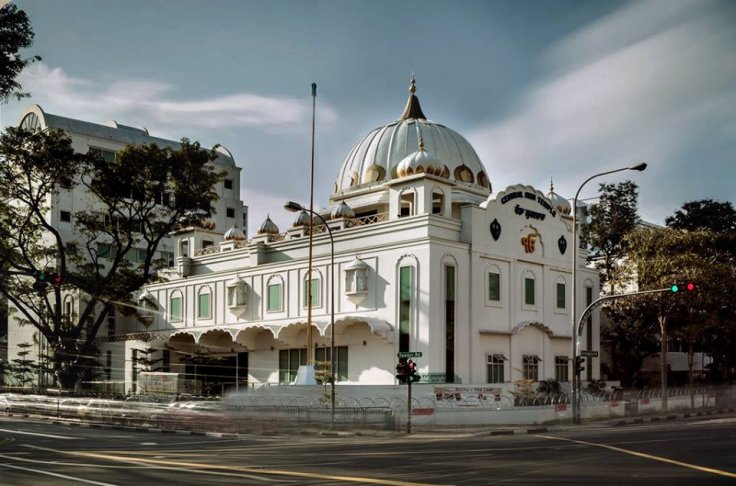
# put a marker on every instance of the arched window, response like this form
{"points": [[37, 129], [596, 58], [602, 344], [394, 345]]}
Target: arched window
{"points": [[560, 293], [275, 294], [407, 201], [204, 303], [315, 286], [493, 285], [529, 289], [176, 306], [438, 201], [184, 248]]}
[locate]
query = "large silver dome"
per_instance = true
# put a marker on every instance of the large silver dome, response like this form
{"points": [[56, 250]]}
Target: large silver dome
{"points": [[376, 157]]}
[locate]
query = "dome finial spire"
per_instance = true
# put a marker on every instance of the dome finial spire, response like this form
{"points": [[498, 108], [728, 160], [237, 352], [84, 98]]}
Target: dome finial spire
{"points": [[551, 185], [412, 109]]}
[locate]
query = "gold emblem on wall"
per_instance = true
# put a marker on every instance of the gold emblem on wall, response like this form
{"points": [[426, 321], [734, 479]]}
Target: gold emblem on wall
{"points": [[529, 242]]}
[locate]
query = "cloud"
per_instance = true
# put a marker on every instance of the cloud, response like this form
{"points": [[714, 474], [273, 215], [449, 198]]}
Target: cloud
{"points": [[648, 82], [146, 102]]}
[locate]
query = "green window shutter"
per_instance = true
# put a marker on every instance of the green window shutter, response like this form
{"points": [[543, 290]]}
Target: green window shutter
{"points": [[175, 309], [204, 311], [494, 286], [529, 291], [342, 363], [274, 297], [560, 295]]}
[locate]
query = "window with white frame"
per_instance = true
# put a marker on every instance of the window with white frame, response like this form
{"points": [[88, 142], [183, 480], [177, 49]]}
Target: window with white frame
{"points": [[494, 286], [315, 286], [529, 297], [204, 304], [495, 368], [561, 368], [274, 299], [530, 367], [406, 200], [560, 297], [175, 307]]}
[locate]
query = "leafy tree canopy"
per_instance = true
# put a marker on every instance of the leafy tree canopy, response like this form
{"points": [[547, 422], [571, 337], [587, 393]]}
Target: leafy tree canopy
{"points": [[611, 219], [129, 205], [15, 34], [704, 215]]}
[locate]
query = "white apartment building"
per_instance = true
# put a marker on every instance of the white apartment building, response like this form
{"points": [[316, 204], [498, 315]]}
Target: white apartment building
{"points": [[106, 139]]}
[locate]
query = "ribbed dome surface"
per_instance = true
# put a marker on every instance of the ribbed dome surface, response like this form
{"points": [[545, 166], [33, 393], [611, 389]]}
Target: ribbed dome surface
{"points": [[268, 227], [234, 233], [376, 157], [561, 204]]}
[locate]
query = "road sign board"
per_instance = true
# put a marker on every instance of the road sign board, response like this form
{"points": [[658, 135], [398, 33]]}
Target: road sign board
{"points": [[410, 354], [588, 354]]}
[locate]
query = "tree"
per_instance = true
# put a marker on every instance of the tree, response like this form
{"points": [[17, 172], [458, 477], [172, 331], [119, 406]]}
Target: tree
{"points": [[611, 220], [719, 219], [660, 257], [704, 215], [23, 367], [15, 34], [134, 202], [629, 337]]}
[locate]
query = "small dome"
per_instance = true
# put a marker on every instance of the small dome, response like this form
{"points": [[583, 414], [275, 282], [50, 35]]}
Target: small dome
{"points": [[561, 204], [234, 233], [343, 211], [302, 219], [419, 162], [268, 227]]}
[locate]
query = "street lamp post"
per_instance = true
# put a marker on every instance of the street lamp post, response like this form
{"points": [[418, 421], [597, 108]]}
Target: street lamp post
{"points": [[575, 338], [294, 207]]}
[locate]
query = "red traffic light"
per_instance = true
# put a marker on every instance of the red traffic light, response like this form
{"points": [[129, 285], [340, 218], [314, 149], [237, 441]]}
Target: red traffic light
{"points": [[401, 370], [688, 287], [412, 373]]}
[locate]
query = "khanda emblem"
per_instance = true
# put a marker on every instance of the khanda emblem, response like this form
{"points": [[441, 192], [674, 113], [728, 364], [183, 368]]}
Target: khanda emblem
{"points": [[529, 242], [562, 244], [495, 229]]}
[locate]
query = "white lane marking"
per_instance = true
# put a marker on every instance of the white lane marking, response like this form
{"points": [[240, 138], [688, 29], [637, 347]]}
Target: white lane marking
{"points": [[149, 443], [51, 436], [63, 476]]}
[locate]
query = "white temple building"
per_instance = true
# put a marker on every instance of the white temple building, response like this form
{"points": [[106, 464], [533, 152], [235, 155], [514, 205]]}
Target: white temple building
{"points": [[427, 258]]}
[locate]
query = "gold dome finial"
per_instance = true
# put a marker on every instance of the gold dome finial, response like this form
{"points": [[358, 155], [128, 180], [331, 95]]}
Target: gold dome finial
{"points": [[421, 142], [412, 109]]}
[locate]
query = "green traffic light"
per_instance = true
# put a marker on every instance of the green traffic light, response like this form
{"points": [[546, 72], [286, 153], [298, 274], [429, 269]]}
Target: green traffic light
{"points": [[42, 276], [675, 288]]}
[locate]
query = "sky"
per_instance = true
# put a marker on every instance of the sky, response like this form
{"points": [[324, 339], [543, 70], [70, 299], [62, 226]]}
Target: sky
{"points": [[543, 89]]}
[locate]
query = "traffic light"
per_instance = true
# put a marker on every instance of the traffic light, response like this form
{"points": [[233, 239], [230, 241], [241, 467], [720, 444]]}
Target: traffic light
{"points": [[683, 287], [412, 372], [579, 360], [41, 282], [56, 279], [401, 370]]}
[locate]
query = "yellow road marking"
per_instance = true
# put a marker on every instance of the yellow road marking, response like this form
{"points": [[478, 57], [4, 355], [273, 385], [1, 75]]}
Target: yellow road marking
{"points": [[243, 469], [645, 456]]}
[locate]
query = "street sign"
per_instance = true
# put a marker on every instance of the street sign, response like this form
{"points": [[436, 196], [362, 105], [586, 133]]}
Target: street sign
{"points": [[588, 354], [410, 354]]}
